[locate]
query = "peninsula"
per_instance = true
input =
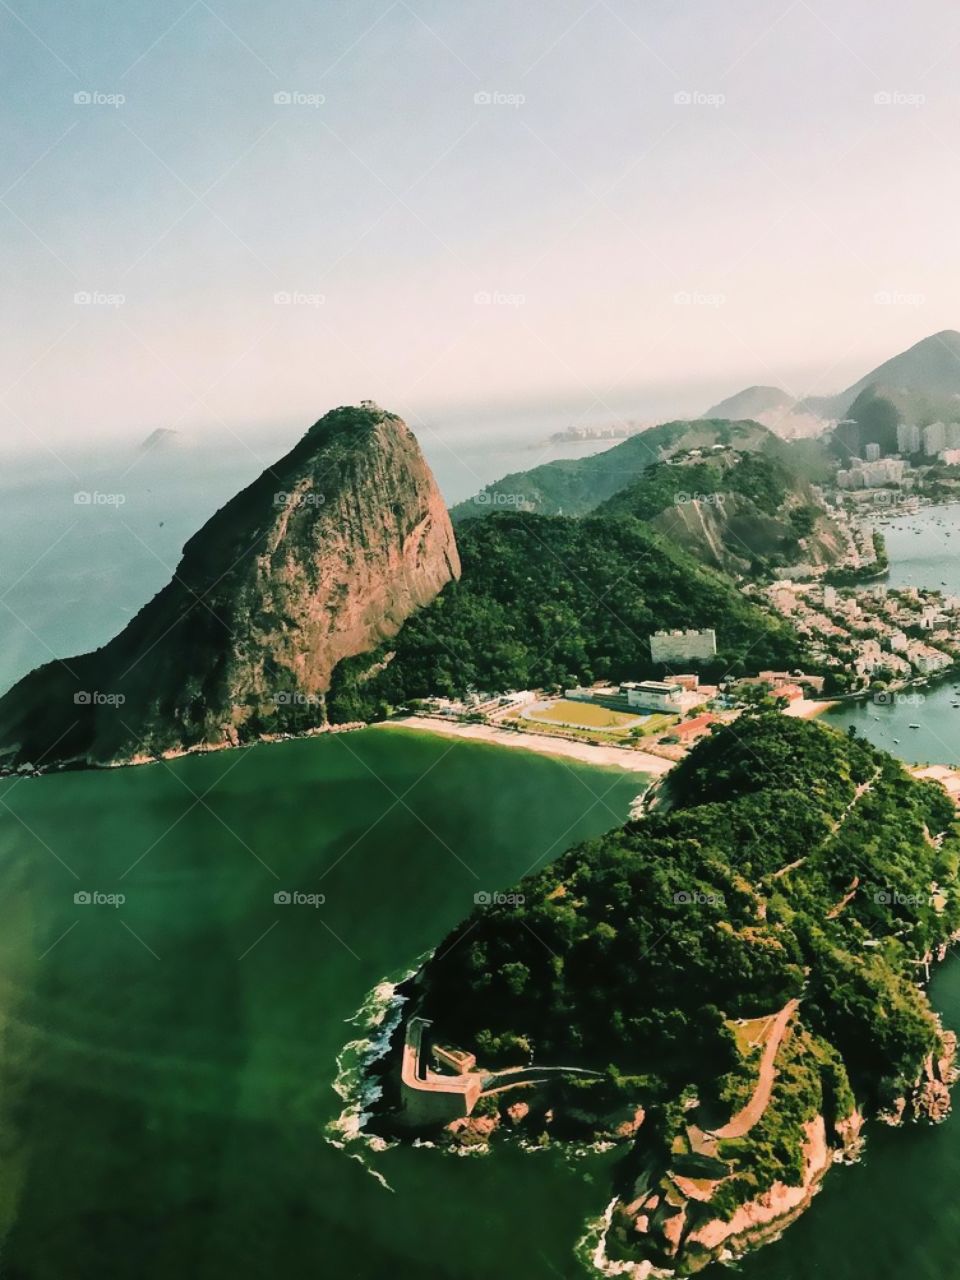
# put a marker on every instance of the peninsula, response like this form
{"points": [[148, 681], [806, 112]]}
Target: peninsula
{"points": [[727, 986]]}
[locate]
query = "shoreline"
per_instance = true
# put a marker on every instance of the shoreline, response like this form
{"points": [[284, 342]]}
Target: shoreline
{"points": [[604, 756], [808, 708]]}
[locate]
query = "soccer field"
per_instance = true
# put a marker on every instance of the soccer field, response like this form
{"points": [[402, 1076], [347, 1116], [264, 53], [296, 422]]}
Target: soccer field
{"points": [[585, 715]]}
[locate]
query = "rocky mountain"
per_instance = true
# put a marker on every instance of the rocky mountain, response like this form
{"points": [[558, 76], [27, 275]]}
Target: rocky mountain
{"points": [[931, 367], [323, 557], [163, 438], [740, 512]]}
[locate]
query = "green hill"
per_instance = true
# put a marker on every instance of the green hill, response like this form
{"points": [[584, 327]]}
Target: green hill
{"points": [[550, 600], [799, 877], [741, 512], [573, 487]]}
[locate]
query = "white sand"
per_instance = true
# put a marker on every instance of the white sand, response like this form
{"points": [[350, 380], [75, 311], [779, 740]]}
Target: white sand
{"points": [[618, 757]]}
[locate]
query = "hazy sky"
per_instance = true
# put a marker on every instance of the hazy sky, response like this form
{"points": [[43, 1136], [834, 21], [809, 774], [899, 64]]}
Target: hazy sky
{"points": [[442, 249]]}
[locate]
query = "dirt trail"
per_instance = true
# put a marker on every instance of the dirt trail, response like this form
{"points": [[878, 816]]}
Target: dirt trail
{"points": [[747, 1116]]}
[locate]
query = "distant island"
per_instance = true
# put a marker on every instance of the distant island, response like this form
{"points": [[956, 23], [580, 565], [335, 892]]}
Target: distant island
{"points": [[726, 986]]}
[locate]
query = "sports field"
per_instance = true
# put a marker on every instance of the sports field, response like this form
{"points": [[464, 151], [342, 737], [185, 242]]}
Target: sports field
{"points": [[586, 715]]}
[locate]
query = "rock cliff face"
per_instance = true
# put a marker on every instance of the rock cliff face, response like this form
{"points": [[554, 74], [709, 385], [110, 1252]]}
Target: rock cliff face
{"points": [[322, 558]]}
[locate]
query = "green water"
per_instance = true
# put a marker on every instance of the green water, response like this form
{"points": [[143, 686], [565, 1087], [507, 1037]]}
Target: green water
{"points": [[167, 1064]]}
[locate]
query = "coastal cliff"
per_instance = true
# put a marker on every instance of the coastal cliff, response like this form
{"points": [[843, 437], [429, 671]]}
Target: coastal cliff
{"points": [[322, 558]]}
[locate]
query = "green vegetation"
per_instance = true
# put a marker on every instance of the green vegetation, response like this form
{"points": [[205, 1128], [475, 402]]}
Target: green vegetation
{"points": [[762, 480], [574, 487], [551, 602], [793, 863]]}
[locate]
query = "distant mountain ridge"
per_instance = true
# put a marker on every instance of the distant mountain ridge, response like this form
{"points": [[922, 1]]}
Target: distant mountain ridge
{"points": [[923, 381], [575, 486]]}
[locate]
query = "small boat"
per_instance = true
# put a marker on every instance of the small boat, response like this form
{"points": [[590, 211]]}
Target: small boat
{"points": [[914, 726]]}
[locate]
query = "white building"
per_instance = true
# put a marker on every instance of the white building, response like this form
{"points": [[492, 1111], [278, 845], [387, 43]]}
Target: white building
{"points": [[872, 452], [683, 646], [653, 695], [908, 438], [934, 439]]}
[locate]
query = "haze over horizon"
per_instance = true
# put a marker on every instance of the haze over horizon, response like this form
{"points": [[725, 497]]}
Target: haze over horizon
{"points": [[448, 211]]}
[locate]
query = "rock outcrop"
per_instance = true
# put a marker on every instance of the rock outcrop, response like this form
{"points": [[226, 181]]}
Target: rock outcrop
{"points": [[321, 558]]}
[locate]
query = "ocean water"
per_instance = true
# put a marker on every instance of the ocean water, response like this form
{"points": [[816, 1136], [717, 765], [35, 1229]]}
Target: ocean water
{"points": [[178, 1070], [169, 1063]]}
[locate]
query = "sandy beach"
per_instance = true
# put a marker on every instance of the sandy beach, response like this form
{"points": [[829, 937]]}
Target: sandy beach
{"points": [[618, 757], [807, 708]]}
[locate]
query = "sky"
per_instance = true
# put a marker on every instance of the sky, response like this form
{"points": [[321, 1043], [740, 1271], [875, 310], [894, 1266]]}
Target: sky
{"points": [[234, 216]]}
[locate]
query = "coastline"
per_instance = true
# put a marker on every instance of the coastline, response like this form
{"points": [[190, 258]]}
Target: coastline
{"points": [[604, 756], [808, 708]]}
